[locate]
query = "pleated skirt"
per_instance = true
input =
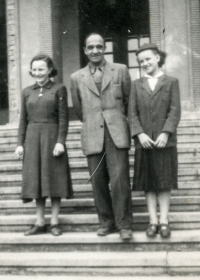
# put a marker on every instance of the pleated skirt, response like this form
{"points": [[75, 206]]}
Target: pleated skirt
{"points": [[155, 169]]}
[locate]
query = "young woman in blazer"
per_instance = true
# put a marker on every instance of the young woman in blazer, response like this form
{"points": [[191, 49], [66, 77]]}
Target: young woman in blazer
{"points": [[41, 143], [154, 114]]}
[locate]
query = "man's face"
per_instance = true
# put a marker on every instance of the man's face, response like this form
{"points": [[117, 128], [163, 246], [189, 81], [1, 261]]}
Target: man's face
{"points": [[95, 49]]}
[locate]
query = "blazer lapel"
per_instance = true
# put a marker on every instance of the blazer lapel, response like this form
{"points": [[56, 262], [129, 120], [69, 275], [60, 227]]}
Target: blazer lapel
{"points": [[88, 80], [108, 75], [159, 84], [145, 86]]}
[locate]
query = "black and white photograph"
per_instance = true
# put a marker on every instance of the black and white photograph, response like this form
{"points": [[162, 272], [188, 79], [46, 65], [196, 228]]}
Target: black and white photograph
{"points": [[99, 139]]}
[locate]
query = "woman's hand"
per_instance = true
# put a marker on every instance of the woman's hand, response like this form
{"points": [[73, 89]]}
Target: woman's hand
{"points": [[58, 150], [19, 152], [146, 141], [162, 140]]}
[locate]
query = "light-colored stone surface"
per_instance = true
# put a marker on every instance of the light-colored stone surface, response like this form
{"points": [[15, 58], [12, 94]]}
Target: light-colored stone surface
{"points": [[89, 202], [181, 217], [181, 259], [179, 237], [84, 259], [56, 277]]}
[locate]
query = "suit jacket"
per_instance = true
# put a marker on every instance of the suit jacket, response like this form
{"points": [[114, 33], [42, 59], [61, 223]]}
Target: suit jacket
{"points": [[154, 112], [109, 106]]}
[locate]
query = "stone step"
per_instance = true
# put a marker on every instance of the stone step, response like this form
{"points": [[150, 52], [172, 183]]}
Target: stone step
{"points": [[184, 174], [75, 134], [76, 147], [89, 222], [91, 277], [189, 122], [11, 157], [183, 138], [78, 156], [86, 205], [55, 276], [184, 122], [81, 163], [72, 125], [184, 240], [185, 189], [102, 263]]}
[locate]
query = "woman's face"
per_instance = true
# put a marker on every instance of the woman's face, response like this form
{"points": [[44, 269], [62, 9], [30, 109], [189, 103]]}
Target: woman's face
{"points": [[40, 71], [149, 62]]}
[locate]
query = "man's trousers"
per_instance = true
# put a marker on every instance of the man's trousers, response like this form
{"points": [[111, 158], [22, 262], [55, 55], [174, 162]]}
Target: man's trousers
{"points": [[111, 166]]}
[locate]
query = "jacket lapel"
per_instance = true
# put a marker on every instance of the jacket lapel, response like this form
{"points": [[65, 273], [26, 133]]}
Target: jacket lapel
{"points": [[145, 86], [159, 85], [88, 80], [108, 75]]}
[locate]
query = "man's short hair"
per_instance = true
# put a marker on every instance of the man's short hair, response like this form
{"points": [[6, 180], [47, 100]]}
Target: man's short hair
{"points": [[94, 33]]}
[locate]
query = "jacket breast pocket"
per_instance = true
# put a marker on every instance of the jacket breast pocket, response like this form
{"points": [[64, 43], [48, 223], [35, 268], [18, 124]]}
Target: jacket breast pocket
{"points": [[117, 88]]}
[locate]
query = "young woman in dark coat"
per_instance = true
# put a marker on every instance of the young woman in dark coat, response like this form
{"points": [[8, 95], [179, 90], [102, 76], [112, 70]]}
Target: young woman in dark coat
{"points": [[154, 114], [41, 143]]}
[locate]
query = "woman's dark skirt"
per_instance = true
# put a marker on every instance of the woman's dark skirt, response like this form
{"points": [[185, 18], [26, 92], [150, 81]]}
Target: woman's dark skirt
{"points": [[43, 174], [155, 169]]}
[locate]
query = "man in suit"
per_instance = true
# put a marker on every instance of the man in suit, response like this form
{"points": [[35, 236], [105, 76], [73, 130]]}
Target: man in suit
{"points": [[100, 94]]}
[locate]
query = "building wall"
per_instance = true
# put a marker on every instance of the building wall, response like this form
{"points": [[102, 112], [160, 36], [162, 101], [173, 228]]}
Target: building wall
{"points": [[30, 37], [52, 26], [170, 29], [176, 44]]}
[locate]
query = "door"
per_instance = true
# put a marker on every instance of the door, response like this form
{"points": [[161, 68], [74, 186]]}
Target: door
{"points": [[3, 66], [123, 24]]}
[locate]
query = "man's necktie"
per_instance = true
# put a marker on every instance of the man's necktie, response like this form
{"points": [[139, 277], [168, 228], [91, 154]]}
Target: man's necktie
{"points": [[98, 75]]}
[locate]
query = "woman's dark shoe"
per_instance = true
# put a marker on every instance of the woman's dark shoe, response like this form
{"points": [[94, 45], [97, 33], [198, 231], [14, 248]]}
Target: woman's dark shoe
{"points": [[55, 230], [35, 229], [165, 230], [152, 230]]}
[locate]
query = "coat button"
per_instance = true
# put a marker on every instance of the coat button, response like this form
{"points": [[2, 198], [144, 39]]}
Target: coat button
{"points": [[101, 126]]}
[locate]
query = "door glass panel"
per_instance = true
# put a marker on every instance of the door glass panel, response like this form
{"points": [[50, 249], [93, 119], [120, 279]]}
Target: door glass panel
{"points": [[109, 47], [134, 73], [132, 44], [144, 41], [132, 60], [109, 57]]}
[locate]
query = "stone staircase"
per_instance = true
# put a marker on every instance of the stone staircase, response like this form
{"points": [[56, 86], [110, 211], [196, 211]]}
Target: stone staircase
{"points": [[79, 252]]}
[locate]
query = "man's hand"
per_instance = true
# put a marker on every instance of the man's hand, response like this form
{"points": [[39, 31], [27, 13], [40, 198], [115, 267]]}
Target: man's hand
{"points": [[58, 150], [19, 152], [162, 140], [146, 141]]}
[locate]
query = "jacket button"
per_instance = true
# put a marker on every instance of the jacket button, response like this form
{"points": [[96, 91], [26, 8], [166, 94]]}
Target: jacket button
{"points": [[101, 126]]}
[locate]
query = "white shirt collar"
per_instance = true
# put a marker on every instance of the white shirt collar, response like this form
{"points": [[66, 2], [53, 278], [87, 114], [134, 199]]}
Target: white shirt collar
{"points": [[159, 74]]}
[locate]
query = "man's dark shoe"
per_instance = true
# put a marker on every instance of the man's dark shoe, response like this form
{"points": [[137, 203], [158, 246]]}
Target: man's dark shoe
{"points": [[35, 229], [55, 230], [152, 230], [105, 231], [165, 230], [126, 234]]}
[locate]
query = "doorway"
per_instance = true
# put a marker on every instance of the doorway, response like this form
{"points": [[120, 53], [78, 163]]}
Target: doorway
{"points": [[124, 25], [3, 66]]}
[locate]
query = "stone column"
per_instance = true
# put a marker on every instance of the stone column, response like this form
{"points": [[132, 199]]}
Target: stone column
{"points": [[13, 60], [177, 45], [170, 29], [194, 30]]}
